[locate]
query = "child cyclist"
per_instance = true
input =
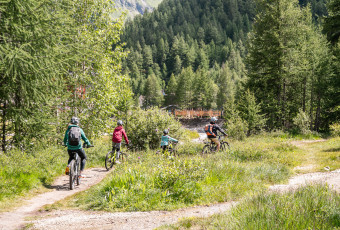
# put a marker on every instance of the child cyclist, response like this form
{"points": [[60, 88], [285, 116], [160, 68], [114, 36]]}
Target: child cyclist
{"points": [[165, 140], [117, 138]]}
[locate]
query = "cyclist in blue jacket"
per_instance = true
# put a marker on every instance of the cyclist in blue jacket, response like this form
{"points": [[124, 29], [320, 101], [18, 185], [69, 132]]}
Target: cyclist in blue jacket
{"points": [[165, 140]]}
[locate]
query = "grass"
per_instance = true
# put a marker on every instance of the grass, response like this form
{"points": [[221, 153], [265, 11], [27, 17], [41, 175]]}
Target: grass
{"points": [[153, 182], [312, 207], [23, 174]]}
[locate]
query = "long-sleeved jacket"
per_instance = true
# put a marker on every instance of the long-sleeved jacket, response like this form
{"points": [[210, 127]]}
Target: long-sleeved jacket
{"points": [[165, 140], [214, 130], [83, 137], [118, 134]]}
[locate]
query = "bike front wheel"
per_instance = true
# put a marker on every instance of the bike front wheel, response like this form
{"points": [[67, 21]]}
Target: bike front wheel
{"points": [[109, 160], [225, 146], [206, 150]]}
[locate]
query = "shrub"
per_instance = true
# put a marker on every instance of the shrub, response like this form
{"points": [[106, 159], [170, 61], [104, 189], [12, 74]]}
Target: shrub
{"points": [[335, 129], [237, 128], [145, 128], [302, 122]]}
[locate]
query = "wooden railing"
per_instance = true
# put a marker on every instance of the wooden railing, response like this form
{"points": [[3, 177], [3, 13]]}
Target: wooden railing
{"points": [[197, 113]]}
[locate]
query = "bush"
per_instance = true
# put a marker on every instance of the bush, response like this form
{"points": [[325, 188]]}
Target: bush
{"points": [[335, 129], [302, 122], [237, 128], [145, 128]]}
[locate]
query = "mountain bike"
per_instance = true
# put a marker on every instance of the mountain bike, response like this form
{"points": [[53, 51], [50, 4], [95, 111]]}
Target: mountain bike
{"points": [[111, 158], [211, 147], [170, 150], [74, 173]]}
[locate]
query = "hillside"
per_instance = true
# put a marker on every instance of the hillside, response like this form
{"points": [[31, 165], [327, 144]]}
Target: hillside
{"points": [[135, 7], [192, 37]]}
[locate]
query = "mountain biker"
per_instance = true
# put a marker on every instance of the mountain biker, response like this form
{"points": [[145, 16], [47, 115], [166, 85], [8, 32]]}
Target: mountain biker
{"points": [[117, 138], [72, 131], [211, 131], [165, 140]]}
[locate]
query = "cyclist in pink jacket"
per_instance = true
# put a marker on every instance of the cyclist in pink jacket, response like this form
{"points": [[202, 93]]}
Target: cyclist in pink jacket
{"points": [[117, 138]]}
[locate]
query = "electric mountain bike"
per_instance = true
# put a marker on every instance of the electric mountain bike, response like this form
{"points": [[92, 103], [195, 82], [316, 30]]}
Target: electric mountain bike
{"points": [[169, 150], [211, 147], [111, 157], [74, 173]]}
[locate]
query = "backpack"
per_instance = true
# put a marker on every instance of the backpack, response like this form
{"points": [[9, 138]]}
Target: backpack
{"points": [[209, 130], [74, 136]]}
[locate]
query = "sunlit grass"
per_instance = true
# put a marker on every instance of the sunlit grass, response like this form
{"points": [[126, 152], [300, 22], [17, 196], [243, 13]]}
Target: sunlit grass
{"points": [[23, 174], [154, 182], [312, 207]]}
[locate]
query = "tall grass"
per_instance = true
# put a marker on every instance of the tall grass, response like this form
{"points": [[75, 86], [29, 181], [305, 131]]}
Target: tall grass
{"points": [[155, 182], [312, 207], [21, 172]]}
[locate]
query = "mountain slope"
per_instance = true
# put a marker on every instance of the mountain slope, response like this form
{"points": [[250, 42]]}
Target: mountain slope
{"points": [[135, 7]]}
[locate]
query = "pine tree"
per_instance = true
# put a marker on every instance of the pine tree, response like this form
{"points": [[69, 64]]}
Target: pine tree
{"points": [[152, 92], [250, 112], [171, 90]]}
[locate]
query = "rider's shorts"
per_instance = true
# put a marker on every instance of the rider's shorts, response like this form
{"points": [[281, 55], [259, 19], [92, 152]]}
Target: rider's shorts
{"points": [[215, 140]]}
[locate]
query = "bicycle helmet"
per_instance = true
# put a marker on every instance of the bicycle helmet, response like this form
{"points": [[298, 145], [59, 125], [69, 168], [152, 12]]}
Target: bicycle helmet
{"points": [[119, 122], [166, 131], [213, 120], [74, 120]]}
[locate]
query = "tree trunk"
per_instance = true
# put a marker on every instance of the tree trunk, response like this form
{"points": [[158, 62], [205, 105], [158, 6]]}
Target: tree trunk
{"points": [[311, 108], [304, 94], [284, 99], [4, 127], [317, 114]]}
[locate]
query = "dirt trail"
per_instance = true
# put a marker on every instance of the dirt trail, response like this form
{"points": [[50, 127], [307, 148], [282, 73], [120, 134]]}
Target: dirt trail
{"points": [[59, 190], [74, 219]]}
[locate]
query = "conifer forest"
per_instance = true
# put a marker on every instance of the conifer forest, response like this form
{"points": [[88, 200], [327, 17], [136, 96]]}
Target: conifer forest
{"points": [[268, 65]]}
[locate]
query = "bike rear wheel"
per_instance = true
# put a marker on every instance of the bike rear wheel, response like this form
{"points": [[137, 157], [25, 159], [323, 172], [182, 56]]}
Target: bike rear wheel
{"points": [[109, 160]]}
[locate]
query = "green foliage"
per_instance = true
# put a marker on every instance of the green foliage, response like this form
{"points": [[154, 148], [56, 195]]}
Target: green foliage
{"points": [[145, 127], [237, 128], [58, 59], [182, 38], [302, 122], [331, 22], [287, 63], [152, 92], [335, 129], [250, 112]]}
